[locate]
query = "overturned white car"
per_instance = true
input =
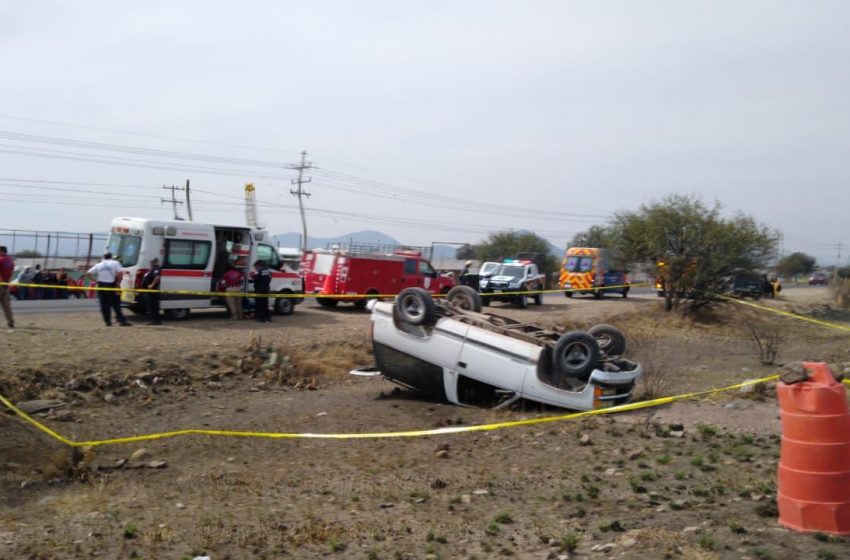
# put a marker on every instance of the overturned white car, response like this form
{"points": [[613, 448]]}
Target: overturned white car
{"points": [[451, 351]]}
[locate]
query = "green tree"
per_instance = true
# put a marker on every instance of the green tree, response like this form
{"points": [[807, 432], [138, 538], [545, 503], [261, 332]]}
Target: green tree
{"points": [[465, 252], [505, 244], [796, 263], [701, 249], [28, 254], [844, 272], [595, 236]]}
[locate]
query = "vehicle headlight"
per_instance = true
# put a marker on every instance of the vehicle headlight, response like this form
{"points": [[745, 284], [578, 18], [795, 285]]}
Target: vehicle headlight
{"points": [[482, 283], [513, 285]]}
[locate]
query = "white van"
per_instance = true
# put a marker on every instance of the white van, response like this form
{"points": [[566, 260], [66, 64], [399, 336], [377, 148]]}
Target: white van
{"points": [[193, 257]]}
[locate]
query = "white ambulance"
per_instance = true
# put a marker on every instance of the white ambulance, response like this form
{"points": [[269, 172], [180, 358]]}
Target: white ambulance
{"points": [[193, 257]]}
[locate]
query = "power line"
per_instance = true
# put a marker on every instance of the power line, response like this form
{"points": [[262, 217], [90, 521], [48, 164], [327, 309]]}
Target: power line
{"points": [[300, 193]]}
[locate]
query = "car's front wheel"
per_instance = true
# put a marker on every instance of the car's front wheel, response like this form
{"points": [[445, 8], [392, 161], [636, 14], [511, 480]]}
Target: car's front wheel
{"points": [[465, 298], [284, 305], [575, 355], [180, 314], [414, 306]]}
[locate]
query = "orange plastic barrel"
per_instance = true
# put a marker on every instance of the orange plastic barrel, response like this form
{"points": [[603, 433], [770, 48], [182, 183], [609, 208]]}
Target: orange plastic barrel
{"points": [[814, 466]]}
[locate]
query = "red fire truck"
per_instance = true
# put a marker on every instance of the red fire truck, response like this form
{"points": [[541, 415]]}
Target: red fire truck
{"points": [[368, 274]]}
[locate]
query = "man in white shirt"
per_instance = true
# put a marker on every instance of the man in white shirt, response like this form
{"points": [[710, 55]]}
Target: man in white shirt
{"points": [[108, 275]]}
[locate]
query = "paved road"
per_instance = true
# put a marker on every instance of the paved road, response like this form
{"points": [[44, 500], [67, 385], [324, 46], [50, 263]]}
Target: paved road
{"points": [[78, 305]]}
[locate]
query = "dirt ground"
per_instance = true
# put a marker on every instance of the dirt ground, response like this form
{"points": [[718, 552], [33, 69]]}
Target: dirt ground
{"points": [[630, 485]]}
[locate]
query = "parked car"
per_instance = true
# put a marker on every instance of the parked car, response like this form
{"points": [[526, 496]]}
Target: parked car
{"points": [[819, 279], [451, 351]]}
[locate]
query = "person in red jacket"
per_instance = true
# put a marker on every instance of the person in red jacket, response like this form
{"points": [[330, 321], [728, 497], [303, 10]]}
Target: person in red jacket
{"points": [[7, 266], [231, 281]]}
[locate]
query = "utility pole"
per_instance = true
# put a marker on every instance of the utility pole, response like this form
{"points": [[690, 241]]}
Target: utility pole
{"points": [[837, 264], [188, 202], [300, 193], [173, 200]]}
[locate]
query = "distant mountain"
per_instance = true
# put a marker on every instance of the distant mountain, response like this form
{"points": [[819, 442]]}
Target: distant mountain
{"points": [[440, 252]]}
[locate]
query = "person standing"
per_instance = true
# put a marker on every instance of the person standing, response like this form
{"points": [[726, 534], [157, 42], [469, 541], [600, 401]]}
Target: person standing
{"points": [[231, 281], [151, 281], [7, 266], [262, 285], [107, 273]]}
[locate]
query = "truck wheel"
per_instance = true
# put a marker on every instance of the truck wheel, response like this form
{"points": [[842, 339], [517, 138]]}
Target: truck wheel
{"points": [[625, 292], [177, 314], [575, 355], [138, 308], [361, 303], [611, 340], [284, 305], [414, 306], [465, 298], [598, 293], [568, 293], [538, 298], [522, 301], [485, 301], [330, 303]]}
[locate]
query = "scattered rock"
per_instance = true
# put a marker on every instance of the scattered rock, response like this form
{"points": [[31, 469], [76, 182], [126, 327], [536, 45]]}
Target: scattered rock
{"points": [[481, 492], [386, 505], [109, 397], [32, 407], [689, 530], [585, 440], [677, 433], [466, 499], [140, 455], [628, 542], [157, 465], [607, 547], [635, 454], [180, 505], [442, 454]]}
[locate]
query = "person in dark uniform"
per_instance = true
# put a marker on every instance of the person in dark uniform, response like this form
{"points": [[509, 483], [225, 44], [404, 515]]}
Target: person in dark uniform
{"points": [[151, 281], [262, 284]]}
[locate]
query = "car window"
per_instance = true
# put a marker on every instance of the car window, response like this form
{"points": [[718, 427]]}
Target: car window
{"points": [[586, 264], [192, 255], [572, 264], [425, 268], [267, 253], [410, 266]]}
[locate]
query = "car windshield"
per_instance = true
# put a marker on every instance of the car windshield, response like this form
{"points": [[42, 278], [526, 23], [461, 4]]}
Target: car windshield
{"points": [[509, 270], [124, 248], [579, 264]]}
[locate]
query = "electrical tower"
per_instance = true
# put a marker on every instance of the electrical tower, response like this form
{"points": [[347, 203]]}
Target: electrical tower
{"points": [[300, 193], [251, 205], [173, 200]]}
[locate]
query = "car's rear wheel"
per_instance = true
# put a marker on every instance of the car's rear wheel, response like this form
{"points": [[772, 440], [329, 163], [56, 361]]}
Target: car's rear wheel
{"points": [[330, 303], [361, 303], [522, 301], [414, 306], [611, 340], [568, 293], [284, 305], [598, 293], [465, 298], [575, 355], [177, 314]]}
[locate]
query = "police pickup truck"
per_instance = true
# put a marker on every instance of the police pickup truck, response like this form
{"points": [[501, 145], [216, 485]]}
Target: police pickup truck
{"points": [[514, 281], [449, 350]]}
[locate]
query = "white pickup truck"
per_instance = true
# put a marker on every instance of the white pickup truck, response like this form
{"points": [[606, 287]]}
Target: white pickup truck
{"points": [[452, 352]]}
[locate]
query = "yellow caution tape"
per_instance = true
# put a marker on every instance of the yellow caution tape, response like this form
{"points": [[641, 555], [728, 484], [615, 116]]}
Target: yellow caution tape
{"points": [[784, 313], [298, 295], [381, 435]]}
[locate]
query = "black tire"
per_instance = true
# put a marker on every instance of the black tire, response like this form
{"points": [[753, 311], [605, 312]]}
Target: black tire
{"points": [[330, 303], [138, 308], [361, 303], [414, 306], [284, 305], [611, 340], [485, 301], [575, 355], [625, 292], [538, 298], [465, 298], [568, 293], [521, 301], [598, 293], [177, 314]]}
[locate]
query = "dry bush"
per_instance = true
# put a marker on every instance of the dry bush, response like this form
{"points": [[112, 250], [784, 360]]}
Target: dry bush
{"points": [[766, 337], [841, 292], [645, 347]]}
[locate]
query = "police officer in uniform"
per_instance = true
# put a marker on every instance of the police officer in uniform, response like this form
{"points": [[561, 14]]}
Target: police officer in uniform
{"points": [[262, 284], [151, 281]]}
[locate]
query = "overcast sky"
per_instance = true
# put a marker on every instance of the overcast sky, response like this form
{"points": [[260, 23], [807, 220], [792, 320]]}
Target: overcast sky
{"points": [[428, 120]]}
